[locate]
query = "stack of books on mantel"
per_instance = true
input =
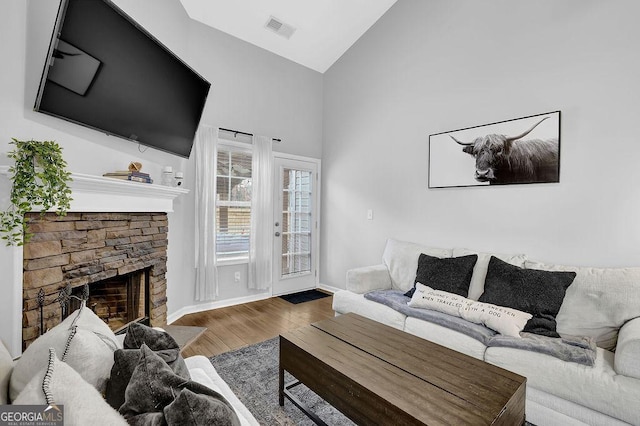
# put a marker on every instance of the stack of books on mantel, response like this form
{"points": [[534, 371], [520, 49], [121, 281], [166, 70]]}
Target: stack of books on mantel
{"points": [[130, 175]]}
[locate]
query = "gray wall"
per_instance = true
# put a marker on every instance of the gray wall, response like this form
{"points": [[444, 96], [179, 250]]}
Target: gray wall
{"points": [[252, 91], [430, 67]]}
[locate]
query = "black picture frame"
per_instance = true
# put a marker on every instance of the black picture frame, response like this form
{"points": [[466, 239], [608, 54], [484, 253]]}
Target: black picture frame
{"points": [[518, 151]]}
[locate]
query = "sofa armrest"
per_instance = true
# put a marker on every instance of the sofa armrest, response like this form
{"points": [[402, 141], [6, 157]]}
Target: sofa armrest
{"points": [[628, 350], [368, 278], [203, 372]]}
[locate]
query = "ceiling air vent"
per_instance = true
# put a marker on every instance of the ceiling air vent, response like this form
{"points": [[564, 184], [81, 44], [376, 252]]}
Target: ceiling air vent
{"points": [[279, 27]]}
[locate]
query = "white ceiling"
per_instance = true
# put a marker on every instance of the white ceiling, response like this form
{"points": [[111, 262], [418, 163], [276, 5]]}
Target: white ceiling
{"points": [[325, 29]]}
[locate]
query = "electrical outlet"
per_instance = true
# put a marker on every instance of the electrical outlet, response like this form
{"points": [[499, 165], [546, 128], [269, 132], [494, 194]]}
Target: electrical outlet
{"points": [[370, 214], [236, 277]]}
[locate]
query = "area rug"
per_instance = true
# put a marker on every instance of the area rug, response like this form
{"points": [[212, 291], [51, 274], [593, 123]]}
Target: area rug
{"points": [[252, 374], [304, 296]]}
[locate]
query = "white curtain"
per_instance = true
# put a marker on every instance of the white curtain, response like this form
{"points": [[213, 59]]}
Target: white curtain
{"points": [[205, 158], [261, 241]]}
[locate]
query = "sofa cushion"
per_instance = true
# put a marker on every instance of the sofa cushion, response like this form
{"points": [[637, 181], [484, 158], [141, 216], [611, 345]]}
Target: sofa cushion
{"points": [[539, 293], [83, 341], [542, 408], [83, 404], [476, 288], [401, 258], [446, 337], [6, 367], [598, 303], [345, 301], [597, 387], [451, 274]]}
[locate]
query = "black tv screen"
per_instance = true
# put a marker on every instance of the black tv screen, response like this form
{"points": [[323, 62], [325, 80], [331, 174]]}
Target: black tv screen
{"points": [[106, 72]]}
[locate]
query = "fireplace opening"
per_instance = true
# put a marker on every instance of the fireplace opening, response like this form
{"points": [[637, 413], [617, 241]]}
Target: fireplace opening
{"points": [[118, 301]]}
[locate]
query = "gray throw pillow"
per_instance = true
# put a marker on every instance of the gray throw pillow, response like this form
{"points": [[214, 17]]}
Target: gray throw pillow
{"points": [[125, 360], [197, 409], [537, 292], [450, 274], [154, 387], [156, 340]]}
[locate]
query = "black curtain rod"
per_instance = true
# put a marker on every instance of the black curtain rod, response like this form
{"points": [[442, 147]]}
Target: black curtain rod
{"points": [[238, 132]]}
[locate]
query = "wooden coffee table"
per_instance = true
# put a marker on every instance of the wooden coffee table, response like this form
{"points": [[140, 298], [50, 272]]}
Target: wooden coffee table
{"points": [[376, 374]]}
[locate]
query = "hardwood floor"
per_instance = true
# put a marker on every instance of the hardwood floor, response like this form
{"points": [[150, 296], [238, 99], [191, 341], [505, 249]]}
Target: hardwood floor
{"points": [[241, 325]]}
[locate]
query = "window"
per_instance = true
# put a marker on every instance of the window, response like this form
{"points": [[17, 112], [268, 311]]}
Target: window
{"points": [[233, 203]]}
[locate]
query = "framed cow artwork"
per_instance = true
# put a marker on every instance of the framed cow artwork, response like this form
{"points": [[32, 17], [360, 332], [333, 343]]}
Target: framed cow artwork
{"points": [[517, 151]]}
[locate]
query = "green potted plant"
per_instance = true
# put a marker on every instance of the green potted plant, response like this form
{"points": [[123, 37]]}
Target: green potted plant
{"points": [[40, 181]]}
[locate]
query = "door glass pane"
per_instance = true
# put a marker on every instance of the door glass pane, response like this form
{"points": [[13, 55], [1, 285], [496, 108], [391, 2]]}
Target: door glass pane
{"points": [[296, 222]]}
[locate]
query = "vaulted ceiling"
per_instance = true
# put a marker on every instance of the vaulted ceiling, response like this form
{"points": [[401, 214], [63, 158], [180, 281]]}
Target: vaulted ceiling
{"points": [[319, 31]]}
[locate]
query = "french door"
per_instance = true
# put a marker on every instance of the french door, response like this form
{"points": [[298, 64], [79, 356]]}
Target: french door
{"points": [[295, 242]]}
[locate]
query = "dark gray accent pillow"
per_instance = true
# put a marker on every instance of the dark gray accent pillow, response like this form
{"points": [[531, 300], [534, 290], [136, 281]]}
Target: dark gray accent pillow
{"points": [[450, 274], [154, 387], [537, 292], [156, 340], [197, 409], [125, 360]]}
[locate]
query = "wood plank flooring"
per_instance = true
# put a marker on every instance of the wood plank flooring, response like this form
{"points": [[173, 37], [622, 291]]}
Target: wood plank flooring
{"points": [[242, 325]]}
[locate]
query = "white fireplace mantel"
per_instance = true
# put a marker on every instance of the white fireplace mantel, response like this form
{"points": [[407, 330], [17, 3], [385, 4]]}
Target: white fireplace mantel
{"points": [[95, 194], [102, 194]]}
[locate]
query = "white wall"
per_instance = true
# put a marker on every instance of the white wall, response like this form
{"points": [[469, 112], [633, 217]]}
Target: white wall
{"points": [[429, 67], [252, 91]]}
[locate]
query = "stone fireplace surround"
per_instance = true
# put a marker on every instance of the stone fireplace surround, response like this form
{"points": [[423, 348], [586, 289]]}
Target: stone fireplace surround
{"points": [[85, 248], [91, 194]]}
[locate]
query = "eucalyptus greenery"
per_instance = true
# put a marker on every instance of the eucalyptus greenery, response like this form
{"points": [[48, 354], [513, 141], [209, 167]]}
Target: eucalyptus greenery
{"points": [[40, 180]]}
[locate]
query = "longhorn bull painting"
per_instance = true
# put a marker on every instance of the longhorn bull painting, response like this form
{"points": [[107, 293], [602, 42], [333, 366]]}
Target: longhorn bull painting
{"points": [[525, 150]]}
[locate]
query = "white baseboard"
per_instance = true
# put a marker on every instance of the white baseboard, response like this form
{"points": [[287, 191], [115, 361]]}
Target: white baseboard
{"points": [[328, 288], [214, 305]]}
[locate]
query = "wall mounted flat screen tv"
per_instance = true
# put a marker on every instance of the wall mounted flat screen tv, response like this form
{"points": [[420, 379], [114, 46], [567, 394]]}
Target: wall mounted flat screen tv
{"points": [[106, 72]]}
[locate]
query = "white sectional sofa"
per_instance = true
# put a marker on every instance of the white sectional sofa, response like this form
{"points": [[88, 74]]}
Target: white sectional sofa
{"points": [[600, 306], [72, 364]]}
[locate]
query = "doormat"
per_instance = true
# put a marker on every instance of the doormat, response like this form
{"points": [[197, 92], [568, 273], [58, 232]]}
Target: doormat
{"points": [[304, 296]]}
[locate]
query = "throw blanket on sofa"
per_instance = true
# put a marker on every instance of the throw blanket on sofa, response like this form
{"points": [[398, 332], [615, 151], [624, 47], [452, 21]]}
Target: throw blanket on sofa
{"points": [[579, 350]]}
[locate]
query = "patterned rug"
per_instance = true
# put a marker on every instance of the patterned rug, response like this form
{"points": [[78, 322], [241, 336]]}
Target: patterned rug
{"points": [[252, 374]]}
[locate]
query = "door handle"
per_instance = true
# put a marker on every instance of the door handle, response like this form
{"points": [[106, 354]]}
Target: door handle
{"points": [[277, 234]]}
